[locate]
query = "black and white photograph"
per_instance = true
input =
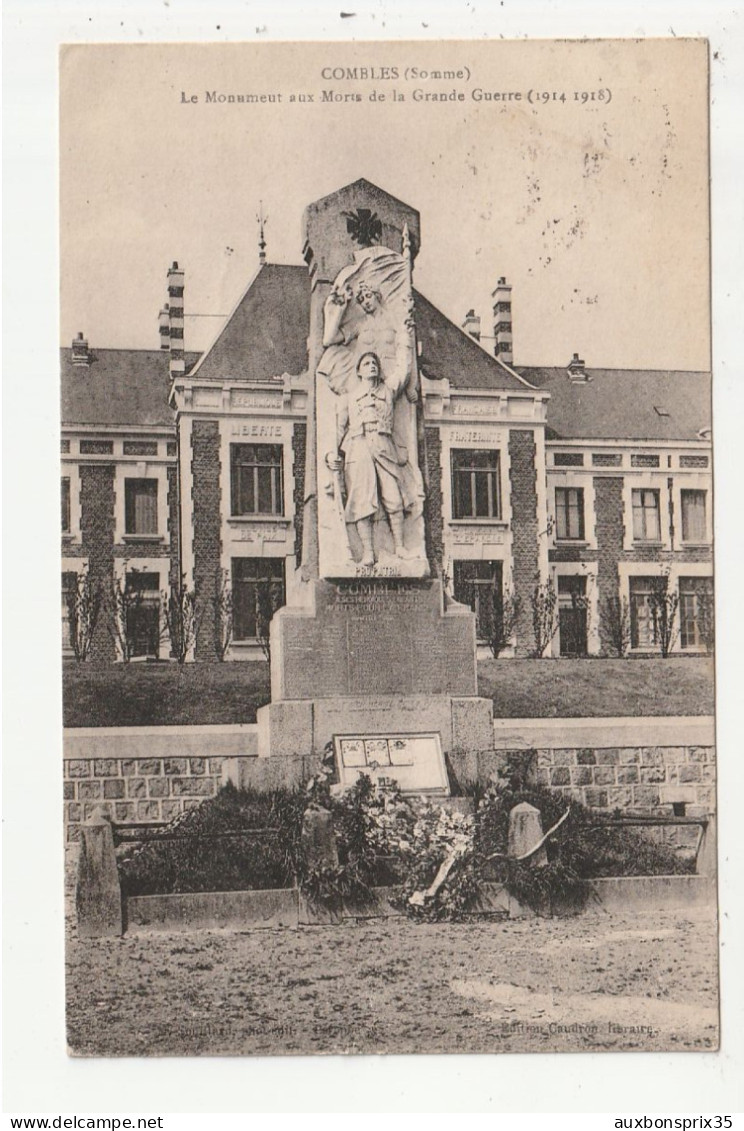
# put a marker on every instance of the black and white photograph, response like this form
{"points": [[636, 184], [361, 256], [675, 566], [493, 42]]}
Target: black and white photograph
{"points": [[387, 587]]}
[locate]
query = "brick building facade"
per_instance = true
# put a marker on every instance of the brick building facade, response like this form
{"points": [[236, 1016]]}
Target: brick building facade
{"points": [[593, 484]]}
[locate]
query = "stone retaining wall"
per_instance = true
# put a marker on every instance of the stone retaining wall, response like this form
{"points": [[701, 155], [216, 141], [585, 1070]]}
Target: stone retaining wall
{"points": [[642, 765], [136, 789], [646, 779]]}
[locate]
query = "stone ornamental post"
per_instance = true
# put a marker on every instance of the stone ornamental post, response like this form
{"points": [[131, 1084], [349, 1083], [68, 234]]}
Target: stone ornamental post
{"points": [[98, 895]]}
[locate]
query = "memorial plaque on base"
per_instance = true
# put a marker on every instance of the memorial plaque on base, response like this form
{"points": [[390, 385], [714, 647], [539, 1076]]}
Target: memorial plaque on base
{"points": [[414, 761]]}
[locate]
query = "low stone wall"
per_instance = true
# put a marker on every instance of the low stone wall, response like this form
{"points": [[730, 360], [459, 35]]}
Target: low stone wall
{"points": [[253, 910], [640, 764], [136, 789], [147, 774], [646, 779], [643, 765]]}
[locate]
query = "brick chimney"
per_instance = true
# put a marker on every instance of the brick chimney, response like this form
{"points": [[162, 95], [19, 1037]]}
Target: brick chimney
{"points": [[175, 320], [80, 351], [502, 321], [472, 325], [164, 327], [577, 368]]}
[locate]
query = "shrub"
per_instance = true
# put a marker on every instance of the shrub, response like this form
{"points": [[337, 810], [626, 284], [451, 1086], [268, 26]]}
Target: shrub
{"points": [[220, 847], [585, 847], [245, 839]]}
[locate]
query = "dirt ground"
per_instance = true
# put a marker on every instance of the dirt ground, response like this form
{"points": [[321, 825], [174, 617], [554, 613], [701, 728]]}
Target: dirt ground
{"points": [[644, 982]]}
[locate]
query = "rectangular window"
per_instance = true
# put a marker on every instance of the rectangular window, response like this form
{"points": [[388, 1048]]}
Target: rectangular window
{"points": [[642, 619], [644, 460], [96, 447], [140, 447], [568, 459], [69, 585], [693, 461], [646, 520], [141, 506], [607, 459], [258, 591], [475, 484], [696, 614], [256, 479], [478, 584], [693, 516], [143, 614], [569, 512], [65, 494]]}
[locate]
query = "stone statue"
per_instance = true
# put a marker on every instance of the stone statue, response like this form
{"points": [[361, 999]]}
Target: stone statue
{"points": [[376, 475], [369, 364]]}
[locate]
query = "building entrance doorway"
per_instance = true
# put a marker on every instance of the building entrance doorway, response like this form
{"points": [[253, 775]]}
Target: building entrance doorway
{"points": [[572, 616], [143, 615]]}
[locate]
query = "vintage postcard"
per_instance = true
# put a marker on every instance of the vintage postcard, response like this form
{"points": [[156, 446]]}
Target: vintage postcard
{"points": [[387, 548]]}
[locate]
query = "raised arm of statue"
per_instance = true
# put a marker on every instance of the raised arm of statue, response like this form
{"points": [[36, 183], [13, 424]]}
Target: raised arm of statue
{"points": [[334, 312], [403, 375]]}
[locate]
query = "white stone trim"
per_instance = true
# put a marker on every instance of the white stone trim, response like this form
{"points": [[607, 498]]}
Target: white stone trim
{"points": [[485, 435], [160, 566], [577, 478], [229, 740], [589, 570], [70, 469], [674, 570], [234, 528], [678, 730], [71, 565], [693, 480], [186, 499], [653, 480], [140, 469]]}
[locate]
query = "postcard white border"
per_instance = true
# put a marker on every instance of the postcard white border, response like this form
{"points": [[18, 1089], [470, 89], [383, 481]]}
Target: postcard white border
{"points": [[39, 1077]]}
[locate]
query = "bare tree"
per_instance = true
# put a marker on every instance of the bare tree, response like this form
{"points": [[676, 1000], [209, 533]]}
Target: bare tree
{"points": [[84, 600], [183, 614], [616, 618], [269, 597], [544, 620], [507, 607], [663, 605], [124, 600], [706, 613], [222, 605]]}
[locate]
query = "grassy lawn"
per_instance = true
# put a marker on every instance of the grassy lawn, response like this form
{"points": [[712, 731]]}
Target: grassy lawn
{"points": [[598, 688], [212, 694]]}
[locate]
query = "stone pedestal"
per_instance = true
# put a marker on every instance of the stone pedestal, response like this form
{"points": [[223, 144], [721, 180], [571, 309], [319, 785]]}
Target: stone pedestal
{"points": [[373, 636], [373, 657], [304, 727]]}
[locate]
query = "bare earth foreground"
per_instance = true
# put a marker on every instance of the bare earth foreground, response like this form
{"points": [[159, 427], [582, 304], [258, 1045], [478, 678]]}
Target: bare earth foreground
{"points": [[644, 982]]}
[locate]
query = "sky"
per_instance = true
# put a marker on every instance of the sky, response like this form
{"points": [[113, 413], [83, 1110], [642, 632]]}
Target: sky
{"points": [[595, 210]]}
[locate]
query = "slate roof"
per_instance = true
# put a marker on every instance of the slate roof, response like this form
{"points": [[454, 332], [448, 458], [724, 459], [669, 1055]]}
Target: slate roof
{"points": [[624, 404], [447, 351], [266, 334], [120, 386]]}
